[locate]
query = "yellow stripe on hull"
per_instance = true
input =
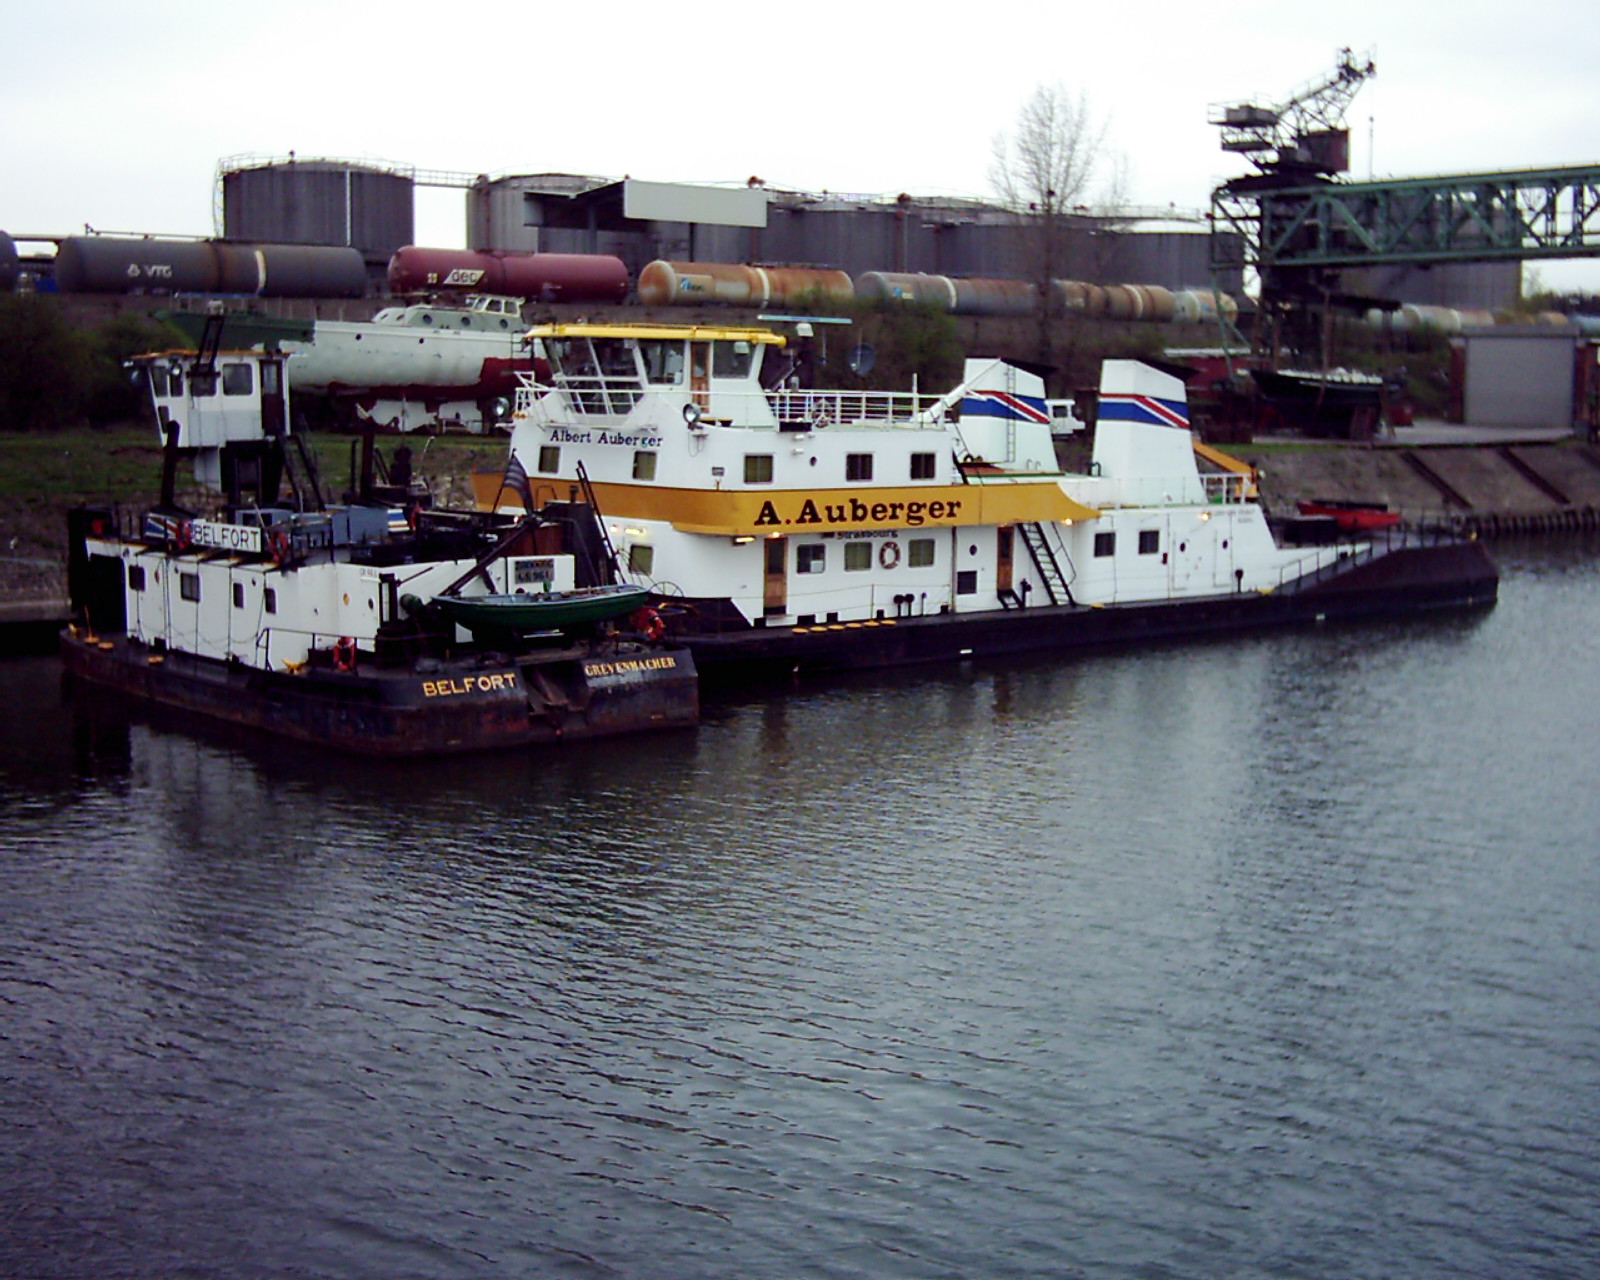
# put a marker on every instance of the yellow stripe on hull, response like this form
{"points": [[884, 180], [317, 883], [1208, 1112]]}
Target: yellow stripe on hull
{"points": [[747, 512]]}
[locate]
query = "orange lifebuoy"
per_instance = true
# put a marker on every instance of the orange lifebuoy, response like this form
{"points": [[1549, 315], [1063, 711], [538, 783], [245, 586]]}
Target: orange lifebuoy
{"points": [[344, 653], [647, 622]]}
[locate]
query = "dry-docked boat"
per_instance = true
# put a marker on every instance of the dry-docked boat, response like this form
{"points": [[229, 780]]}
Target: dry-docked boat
{"points": [[336, 622], [790, 528]]}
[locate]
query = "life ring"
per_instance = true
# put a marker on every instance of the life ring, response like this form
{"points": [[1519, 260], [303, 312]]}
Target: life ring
{"points": [[889, 554], [278, 545], [182, 535], [647, 622], [344, 653]]}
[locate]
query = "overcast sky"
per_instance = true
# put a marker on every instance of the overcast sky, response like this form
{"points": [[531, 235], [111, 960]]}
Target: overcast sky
{"points": [[116, 114]]}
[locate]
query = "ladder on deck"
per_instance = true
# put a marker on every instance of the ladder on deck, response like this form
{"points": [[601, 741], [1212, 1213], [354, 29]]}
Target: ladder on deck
{"points": [[1056, 586]]}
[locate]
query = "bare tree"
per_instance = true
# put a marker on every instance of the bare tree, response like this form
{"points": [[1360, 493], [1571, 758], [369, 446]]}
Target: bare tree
{"points": [[1044, 170]]}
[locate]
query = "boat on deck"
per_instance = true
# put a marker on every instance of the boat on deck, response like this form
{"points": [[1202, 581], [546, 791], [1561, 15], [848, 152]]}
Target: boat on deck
{"points": [[1352, 516], [782, 528], [279, 608], [526, 614]]}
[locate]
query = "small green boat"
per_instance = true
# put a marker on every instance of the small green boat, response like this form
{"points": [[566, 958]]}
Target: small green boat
{"points": [[525, 613]]}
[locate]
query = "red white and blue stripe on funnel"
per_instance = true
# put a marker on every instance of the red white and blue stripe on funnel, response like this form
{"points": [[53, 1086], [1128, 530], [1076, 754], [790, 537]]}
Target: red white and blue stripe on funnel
{"points": [[1004, 404], [1129, 406]]}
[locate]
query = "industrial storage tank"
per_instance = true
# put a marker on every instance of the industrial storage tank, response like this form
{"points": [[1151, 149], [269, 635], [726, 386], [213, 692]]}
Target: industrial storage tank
{"points": [[9, 263], [547, 277], [664, 283], [321, 202], [112, 264]]}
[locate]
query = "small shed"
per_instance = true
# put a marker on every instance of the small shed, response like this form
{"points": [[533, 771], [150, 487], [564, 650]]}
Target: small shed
{"points": [[1519, 375]]}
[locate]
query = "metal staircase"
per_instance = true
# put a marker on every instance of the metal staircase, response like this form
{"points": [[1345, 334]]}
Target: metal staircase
{"points": [[1056, 585]]}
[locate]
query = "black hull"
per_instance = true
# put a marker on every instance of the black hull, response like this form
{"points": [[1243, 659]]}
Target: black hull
{"points": [[1404, 581], [446, 709]]}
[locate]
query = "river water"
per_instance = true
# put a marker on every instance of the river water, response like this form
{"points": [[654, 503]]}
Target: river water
{"points": [[1276, 957]]}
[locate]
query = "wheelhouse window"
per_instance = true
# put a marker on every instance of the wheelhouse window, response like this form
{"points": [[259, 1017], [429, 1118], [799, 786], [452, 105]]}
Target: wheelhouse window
{"points": [[919, 553], [758, 468], [189, 586], [812, 558], [236, 380], [642, 558], [644, 464], [269, 599], [202, 383], [1149, 541], [922, 466], [857, 555], [858, 466], [662, 359], [1105, 544], [238, 595], [730, 359], [135, 577], [549, 457]]}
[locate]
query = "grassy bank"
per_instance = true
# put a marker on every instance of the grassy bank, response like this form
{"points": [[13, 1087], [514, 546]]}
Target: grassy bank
{"points": [[42, 474]]}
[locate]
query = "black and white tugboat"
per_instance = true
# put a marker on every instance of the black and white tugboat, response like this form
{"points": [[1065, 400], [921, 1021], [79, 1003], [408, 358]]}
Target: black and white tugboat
{"points": [[356, 624]]}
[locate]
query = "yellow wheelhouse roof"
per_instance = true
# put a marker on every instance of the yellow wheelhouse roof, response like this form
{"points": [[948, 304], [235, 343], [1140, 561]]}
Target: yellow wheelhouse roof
{"points": [[680, 332]]}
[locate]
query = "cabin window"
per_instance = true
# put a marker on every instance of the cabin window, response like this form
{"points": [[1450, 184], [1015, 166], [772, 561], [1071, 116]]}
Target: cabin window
{"points": [[811, 559], [189, 586], [202, 384], [158, 379], [922, 466], [549, 457], [236, 380], [758, 468], [644, 464], [1149, 541], [967, 582], [269, 599], [1105, 544], [663, 360], [919, 553], [135, 577], [857, 555], [730, 359], [174, 382], [858, 466], [238, 595], [269, 379], [641, 558]]}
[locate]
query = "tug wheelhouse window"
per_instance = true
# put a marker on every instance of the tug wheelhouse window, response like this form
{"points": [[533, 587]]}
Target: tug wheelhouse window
{"points": [[1105, 544], [811, 559], [189, 586], [1149, 541], [758, 468], [236, 380], [663, 360], [858, 466], [922, 466], [730, 359]]}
